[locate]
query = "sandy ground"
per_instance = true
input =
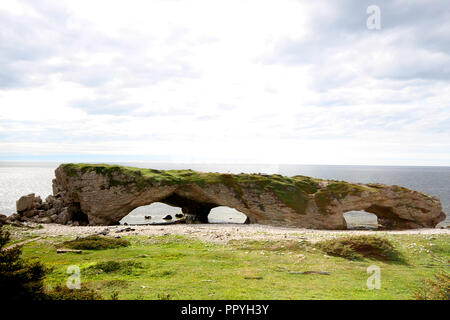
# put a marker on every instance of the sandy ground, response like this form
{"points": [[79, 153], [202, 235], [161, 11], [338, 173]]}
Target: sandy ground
{"points": [[221, 233]]}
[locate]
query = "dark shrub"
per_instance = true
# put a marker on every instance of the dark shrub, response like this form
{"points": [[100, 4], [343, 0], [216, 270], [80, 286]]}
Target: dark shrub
{"points": [[361, 246], [95, 243], [63, 293], [24, 280], [19, 279]]}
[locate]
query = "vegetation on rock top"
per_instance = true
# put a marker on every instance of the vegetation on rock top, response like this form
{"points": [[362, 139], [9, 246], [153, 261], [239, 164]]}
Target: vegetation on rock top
{"points": [[294, 191], [338, 190]]}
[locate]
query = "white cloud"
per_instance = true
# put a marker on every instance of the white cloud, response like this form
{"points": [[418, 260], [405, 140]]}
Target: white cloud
{"points": [[235, 81]]}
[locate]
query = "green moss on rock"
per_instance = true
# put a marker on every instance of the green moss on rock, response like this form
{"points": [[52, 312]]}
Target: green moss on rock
{"points": [[338, 190], [294, 191]]}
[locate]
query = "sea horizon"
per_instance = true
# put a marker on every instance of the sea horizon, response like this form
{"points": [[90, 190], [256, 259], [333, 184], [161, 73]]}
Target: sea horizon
{"points": [[22, 177]]}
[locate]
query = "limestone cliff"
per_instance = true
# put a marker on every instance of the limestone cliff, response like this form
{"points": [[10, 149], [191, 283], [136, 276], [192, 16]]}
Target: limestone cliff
{"points": [[104, 194]]}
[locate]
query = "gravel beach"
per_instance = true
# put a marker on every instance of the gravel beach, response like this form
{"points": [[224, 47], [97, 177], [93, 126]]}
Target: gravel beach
{"points": [[220, 233]]}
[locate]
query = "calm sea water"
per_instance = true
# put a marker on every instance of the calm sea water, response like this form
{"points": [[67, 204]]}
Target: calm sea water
{"points": [[20, 178]]}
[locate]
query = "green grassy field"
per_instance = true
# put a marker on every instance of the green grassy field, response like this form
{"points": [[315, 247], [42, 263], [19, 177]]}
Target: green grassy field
{"points": [[177, 267]]}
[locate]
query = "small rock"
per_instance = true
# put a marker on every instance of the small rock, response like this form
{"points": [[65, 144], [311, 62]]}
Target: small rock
{"points": [[147, 217], [104, 232], [167, 217]]}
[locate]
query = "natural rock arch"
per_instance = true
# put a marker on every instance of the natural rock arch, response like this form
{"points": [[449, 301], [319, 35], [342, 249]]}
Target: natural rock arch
{"points": [[107, 193]]}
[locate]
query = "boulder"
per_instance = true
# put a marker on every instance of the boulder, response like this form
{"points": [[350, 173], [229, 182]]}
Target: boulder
{"points": [[37, 202], [45, 220], [13, 217], [30, 213], [58, 205], [64, 217], [51, 212], [3, 219], [50, 199], [26, 203]]}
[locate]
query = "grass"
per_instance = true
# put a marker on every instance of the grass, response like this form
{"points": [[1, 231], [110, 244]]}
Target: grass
{"points": [[110, 266], [177, 267], [94, 243], [437, 288], [19, 234]]}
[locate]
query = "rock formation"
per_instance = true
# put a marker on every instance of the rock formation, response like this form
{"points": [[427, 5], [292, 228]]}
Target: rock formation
{"points": [[104, 194]]}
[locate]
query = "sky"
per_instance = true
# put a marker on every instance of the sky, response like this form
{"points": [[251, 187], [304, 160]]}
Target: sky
{"points": [[237, 81]]}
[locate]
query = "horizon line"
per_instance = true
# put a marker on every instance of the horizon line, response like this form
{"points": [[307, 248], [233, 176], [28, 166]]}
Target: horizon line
{"points": [[221, 163]]}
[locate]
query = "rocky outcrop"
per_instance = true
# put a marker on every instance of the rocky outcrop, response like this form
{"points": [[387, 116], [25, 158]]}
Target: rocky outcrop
{"points": [[104, 194], [54, 210]]}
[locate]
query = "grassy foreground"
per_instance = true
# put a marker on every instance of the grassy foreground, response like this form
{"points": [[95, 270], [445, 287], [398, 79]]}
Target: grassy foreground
{"points": [[177, 267]]}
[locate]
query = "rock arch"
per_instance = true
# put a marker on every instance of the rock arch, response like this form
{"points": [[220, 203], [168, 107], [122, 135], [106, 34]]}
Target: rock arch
{"points": [[107, 193]]}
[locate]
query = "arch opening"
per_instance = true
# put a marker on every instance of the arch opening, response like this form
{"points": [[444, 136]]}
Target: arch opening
{"points": [[224, 215], [361, 220], [153, 214]]}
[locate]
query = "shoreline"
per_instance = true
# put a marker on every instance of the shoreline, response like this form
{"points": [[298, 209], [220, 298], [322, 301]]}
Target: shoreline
{"points": [[222, 233]]}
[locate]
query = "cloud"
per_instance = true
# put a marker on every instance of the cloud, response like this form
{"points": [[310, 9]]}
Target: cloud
{"points": [[286, 82], [339, 47]]}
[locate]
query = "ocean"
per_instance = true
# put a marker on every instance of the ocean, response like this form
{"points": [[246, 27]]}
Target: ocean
{"points": [[19, 178]]}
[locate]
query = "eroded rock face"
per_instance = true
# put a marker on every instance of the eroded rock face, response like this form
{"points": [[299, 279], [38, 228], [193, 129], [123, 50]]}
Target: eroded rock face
{"points": [[103, 195]]}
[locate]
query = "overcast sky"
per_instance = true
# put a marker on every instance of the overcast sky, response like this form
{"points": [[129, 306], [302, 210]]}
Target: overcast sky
{"points": [[241, 81]]}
